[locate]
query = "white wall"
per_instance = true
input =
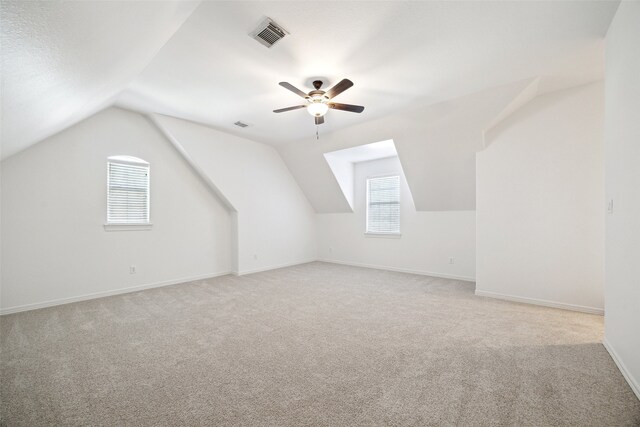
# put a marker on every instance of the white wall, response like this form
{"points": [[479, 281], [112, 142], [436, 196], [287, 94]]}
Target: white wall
{"points": [[54, 246], [428, 239], [1, 216], [275, 222], [344, 174], [622, 148], [540, 193]]}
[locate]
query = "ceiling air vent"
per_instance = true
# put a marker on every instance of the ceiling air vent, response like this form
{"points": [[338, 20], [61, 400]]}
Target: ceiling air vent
{"points": [[240, 124], [268, 32]]}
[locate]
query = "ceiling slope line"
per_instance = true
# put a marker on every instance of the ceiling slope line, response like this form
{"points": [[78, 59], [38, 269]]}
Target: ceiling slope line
{"points": [[87, 109], [192, 164], [157, 52], [525, 96], [533, 82]]}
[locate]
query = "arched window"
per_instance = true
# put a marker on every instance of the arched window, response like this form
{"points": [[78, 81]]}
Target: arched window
{"points": [[127, 190]]}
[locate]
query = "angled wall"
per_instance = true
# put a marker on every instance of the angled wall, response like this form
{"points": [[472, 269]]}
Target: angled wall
{"points": [[526, 95], [342, 163], [540, 220], [55, 248], [275, 222], [622, 148], [343, 172]]}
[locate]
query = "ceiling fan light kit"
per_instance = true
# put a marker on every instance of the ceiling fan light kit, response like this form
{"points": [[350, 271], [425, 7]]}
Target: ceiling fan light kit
{"points": [[318, 100], [317, 108]]}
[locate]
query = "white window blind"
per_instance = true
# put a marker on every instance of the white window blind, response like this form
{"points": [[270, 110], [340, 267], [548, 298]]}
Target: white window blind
{"points": [[127, 190], [383, 205]]}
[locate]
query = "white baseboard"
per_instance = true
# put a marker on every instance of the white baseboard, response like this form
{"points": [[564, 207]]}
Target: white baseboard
{"points": [[635, 385], [545, 303], [401, 270], [272, 267], [94, 295]]}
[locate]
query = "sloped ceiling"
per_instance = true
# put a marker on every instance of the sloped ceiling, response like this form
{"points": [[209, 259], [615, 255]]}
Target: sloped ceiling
{"points": [[62, 61], [436, 144], [398, 53]]}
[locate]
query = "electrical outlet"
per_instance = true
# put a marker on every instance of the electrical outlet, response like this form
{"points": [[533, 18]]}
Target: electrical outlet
{"points": [[330, 249], [610, 206], [452, 260], [132, 269], [255, 256]]}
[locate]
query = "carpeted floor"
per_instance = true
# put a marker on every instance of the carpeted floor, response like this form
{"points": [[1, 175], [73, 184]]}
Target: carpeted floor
{"points": [[311, 345]]}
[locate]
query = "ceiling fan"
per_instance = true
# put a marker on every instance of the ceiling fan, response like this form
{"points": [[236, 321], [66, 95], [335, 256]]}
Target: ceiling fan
{"points": [[318, 101]]}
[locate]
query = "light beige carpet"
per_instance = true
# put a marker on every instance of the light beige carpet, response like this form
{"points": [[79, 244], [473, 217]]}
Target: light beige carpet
{"points": [[312, 345]]}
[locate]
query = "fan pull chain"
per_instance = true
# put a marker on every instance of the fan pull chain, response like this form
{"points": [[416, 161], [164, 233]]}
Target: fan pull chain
{"points": [[317, 136]]}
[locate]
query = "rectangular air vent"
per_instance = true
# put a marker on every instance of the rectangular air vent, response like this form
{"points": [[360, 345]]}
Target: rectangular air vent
{"points": [[242, 125], [268, 33]]}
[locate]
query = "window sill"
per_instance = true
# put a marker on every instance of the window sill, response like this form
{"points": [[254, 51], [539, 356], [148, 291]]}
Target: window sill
{"points": [[384, 235], [127, 227]]}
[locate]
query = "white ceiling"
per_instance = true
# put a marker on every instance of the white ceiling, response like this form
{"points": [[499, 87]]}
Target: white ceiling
{"points": [[62, 61], [363, 153]]}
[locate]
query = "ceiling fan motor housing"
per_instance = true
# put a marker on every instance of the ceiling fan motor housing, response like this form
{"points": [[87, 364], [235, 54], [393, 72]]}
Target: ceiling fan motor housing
{"points": [[317, 94]]}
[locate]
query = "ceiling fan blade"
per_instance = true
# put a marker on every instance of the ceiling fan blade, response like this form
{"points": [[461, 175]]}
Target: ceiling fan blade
{"points": [[339, 88], [282, 110], [293, 89], [346, 107], [319, 120]]}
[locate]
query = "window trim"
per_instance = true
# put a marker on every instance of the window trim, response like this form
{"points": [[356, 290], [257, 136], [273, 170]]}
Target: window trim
{"points": [[129, 226], [383, 235], [391, 234], [112, 226]]}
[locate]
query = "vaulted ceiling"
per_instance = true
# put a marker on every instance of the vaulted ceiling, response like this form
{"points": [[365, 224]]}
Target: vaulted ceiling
{"points": [[63, 61]]}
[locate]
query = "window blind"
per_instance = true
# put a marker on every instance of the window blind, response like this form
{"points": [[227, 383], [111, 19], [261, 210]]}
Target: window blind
{"points": [[383, 205], [128, 193]]}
